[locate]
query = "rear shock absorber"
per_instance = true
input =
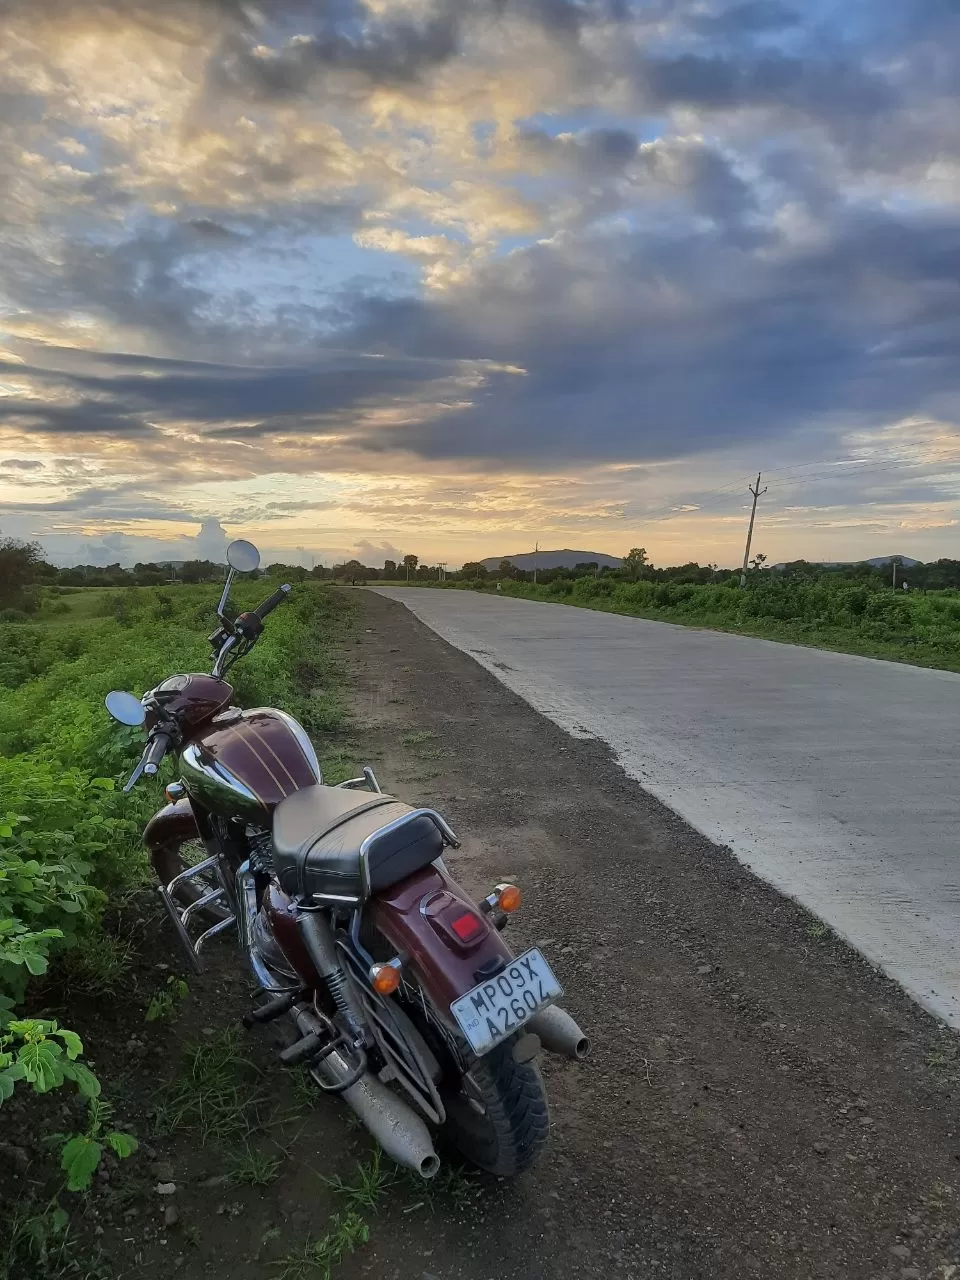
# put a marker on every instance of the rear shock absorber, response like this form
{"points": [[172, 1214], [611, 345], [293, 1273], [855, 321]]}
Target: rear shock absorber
{"points": [[318, 939]]}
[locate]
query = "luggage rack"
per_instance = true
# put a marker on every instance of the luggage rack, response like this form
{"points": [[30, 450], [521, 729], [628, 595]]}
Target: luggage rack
{"points": [[180, 916]]}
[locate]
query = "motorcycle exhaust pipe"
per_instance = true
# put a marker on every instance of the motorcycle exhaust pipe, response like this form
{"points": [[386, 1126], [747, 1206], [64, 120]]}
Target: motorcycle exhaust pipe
{"points": [[397, 1128], [558, 1033]]}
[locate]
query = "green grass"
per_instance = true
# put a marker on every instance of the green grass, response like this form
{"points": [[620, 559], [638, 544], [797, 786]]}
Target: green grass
{"points": [[370, 1180], [219, 1094], [81, 605], [315, 1261], [253, 1167]]}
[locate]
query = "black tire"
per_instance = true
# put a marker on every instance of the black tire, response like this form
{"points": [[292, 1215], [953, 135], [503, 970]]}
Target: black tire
{"points": [[499, 1119]]}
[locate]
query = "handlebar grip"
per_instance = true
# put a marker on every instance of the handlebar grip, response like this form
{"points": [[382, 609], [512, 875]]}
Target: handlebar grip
{"points": [[158, 747], [271, 602]]}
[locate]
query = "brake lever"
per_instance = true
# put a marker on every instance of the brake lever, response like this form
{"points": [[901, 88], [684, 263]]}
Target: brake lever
{"points": [[228, 644], [136, 775]]}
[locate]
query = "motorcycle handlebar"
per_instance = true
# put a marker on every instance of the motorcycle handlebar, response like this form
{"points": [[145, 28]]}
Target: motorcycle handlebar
{"points": [[157, 748], [149, 762], [271, 602]]}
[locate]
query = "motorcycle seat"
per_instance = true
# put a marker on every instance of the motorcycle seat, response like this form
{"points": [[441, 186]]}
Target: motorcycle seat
{"points": [[332, 844]]}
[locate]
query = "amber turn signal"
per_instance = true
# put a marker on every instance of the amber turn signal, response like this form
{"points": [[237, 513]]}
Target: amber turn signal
{"points": [[509, 897], [385, 978]]}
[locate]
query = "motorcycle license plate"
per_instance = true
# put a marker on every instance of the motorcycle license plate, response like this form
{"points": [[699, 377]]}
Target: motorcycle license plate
{"points": [[500, 1006]]}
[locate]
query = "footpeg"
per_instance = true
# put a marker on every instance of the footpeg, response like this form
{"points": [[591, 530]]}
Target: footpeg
{"points": [[311, 1046], [272, 1009]]}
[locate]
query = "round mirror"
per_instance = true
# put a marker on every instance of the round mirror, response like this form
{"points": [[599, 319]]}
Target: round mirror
{"points": [[243, 556], [124, 707]]}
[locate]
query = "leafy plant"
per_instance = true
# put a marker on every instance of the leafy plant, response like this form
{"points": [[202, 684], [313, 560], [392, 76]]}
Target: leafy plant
{"points": [[81, 1153], [42, 1055], [70, 840], [41, 1236], [164, 1001]]}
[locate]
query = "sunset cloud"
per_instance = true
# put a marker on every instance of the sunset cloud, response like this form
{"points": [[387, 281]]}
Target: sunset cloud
{"points": [[476, 271]]}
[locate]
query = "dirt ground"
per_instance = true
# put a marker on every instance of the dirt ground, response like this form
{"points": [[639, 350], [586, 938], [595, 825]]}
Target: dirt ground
{"points": [[759, 1101]]}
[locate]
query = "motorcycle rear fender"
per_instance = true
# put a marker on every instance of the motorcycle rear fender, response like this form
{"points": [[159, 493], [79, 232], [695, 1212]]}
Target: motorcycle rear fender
{"points": [[445, 966]]}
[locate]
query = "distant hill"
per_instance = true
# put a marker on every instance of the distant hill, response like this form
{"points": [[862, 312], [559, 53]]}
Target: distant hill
{"points": [[564, 559], [878, 562]]}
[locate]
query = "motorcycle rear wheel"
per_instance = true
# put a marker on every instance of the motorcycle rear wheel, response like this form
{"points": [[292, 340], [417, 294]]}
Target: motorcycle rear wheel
{"points": [[498, 1119]]}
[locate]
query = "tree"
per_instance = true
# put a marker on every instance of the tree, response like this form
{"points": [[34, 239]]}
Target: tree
{"points": [[410, 564], [21, 566], [473, 569], [354, 570], [505, 570], [758, 561], [635, 561], [389, 568], [196, 570]]}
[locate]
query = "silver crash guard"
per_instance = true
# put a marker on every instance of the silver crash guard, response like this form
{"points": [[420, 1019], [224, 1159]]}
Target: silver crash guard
{"points": [[200, 876]]}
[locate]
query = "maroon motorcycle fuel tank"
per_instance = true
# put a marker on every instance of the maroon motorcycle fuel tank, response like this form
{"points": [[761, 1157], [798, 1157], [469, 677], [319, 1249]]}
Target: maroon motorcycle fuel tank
{"points": [[244, 763]]}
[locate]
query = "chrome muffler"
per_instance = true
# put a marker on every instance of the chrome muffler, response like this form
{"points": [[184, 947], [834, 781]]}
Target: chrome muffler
{"points": [[558, 1033], [396, 1127]]}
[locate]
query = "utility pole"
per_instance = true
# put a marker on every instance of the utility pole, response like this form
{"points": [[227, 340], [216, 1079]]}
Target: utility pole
{"points": [[756, 491], [894, 574], [442, 571], [536, 552]]}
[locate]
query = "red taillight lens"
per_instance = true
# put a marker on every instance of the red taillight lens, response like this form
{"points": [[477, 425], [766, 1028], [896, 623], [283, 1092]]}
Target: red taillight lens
{"points": [[466, 926]]}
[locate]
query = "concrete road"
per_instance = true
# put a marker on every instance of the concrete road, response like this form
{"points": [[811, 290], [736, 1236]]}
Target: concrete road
{"points": [[833, 777]]}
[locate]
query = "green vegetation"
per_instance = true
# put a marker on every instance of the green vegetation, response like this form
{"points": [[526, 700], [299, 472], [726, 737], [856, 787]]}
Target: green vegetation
{"points": [[849, 612], [316, 1260], [219, 1094], [165, 1000], [68, 837], [70, 841]]}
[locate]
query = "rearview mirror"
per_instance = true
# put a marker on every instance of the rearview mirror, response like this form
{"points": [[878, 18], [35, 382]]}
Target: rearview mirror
{"points": [[125, 708], [243, 556]]}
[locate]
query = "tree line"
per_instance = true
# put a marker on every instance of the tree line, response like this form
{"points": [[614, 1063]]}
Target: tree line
{"points": [[24, 571]]}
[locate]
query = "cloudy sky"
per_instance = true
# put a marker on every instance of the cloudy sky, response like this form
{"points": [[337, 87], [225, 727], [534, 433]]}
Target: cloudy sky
{"points": [[455, 276]]}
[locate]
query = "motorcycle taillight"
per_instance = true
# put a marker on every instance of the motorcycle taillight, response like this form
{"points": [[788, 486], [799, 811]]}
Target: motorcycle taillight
{"points": [[454, 920]]}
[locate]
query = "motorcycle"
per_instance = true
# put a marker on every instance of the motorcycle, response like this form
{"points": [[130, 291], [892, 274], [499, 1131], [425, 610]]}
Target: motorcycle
{"points": [[396, 990]]}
